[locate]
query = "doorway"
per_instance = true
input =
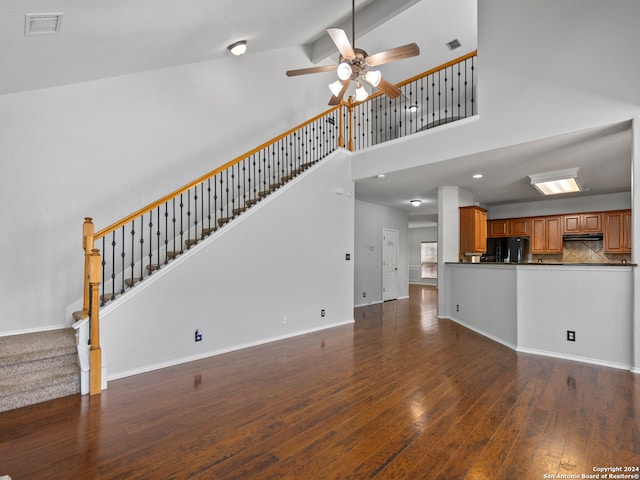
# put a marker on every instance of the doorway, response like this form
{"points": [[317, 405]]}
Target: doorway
{"points": [[389, 264]]}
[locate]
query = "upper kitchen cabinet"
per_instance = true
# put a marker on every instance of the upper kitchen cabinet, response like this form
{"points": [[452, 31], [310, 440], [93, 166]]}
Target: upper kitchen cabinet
{"points": [[582, 223], [509, 227], [519, 227], [473, 230], [497, 228], [546, 234], [617, 231]]}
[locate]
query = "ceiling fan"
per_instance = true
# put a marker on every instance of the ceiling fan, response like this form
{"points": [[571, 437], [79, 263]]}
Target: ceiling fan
{"points": [[354, 65]]}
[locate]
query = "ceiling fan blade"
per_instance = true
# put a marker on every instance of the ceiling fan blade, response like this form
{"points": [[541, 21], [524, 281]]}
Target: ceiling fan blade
{"points": [[398, 53], [389, 88], [305, 71], [342, 42], [335, 100]]}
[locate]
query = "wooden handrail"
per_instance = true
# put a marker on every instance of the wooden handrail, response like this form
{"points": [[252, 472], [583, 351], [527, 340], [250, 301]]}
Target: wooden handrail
{"points": [[206, 176]]}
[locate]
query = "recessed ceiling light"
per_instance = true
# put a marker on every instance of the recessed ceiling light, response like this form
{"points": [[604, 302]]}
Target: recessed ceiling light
{"points": [[381, 176], [478, 175]]}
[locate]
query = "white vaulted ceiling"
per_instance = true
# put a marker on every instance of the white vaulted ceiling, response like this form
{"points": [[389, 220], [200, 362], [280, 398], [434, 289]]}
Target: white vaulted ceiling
{"points": [[118, 37]]}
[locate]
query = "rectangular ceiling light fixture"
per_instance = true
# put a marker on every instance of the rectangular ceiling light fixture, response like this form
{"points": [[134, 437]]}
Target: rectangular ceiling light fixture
{"points": [[553, 183], [42, 23]]}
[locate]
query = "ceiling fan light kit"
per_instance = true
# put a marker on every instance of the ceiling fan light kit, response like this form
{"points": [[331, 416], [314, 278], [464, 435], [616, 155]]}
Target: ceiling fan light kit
{"points": [[373, 77], [335, 87], [344, 71], [361, 92], [354, 64]]}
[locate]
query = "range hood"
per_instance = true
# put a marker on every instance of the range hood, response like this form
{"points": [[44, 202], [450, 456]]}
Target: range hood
{"points": [[576, 237]]}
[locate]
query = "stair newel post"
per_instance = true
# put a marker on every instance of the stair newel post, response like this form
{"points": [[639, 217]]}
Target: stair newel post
{"points": [[87, 245], [95, 276], [350, 109]]}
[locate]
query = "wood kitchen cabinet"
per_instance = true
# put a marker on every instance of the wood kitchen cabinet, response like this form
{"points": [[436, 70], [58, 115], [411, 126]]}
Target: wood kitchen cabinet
{"points": [[473, 230], [497, 228], [519, 227], [617, 231], [509, 227], [546, 234], [582, 223]]}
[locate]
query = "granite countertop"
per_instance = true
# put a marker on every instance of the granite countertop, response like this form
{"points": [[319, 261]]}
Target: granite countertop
{"points": [[548, 263]]}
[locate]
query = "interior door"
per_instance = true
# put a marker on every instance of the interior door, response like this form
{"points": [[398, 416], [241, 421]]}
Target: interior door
{"points": [[389, 264]]}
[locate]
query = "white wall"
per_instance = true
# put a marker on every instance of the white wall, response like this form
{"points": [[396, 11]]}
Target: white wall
{"points": [[416, 237], [266, 276], [107, 148], [595, 302], [484, 298], [370, 220]]}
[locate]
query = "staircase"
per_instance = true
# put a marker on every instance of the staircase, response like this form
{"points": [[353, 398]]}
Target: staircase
{"points": [[36, 367]]}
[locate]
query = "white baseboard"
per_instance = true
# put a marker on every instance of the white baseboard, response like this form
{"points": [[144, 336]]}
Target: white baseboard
{"points": [[574, 358], [367, 304], [213, 353], [483, 333], [545, 353], [34, 330]]}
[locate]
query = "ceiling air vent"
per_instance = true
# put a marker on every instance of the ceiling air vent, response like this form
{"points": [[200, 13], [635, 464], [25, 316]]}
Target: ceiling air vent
{"points": [[453, 44], [42, 23]]}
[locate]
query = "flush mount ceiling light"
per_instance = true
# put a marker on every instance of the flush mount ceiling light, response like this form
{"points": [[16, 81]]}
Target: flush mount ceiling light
{"points": [[238, 48], [477, 175], [413, 108], [553, 183], [416, 203]]}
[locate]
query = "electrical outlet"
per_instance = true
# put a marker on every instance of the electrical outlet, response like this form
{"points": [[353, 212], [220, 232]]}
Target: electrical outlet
{"points": [[198, 336], [571, 336], [322, 312], [457, 308], [364, 294]]}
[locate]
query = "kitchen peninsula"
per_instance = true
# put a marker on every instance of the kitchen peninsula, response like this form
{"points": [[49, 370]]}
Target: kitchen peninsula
{"points": [[571, 297]]}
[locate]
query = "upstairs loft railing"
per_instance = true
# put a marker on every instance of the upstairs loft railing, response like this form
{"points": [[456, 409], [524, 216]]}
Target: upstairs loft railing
{"points": [[144, 241]]}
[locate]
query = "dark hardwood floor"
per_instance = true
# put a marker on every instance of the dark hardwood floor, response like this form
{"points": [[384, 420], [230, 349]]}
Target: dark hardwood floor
{"points": [[399, 394]]}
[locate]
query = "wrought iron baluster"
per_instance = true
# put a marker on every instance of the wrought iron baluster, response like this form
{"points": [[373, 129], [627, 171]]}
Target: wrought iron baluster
{"points": [[209, 204], [166, 232], [188, 219], [104, 273], [133, 246], [472, 86], [113, 264], [122, 260], [195, 212], [141, 246], [150, 242], [181, 223]]}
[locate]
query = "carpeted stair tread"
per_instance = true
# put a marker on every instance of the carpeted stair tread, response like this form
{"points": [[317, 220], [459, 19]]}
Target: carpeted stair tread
{"points": [[38, 366], [36, 346], [31, 381], [65, 385]]}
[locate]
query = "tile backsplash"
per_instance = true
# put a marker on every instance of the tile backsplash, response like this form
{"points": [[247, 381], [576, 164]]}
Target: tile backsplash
{"points": [[585, 251]]}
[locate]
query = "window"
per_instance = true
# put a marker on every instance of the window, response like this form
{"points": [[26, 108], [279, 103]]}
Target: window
{"points": [[429, 259]]}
